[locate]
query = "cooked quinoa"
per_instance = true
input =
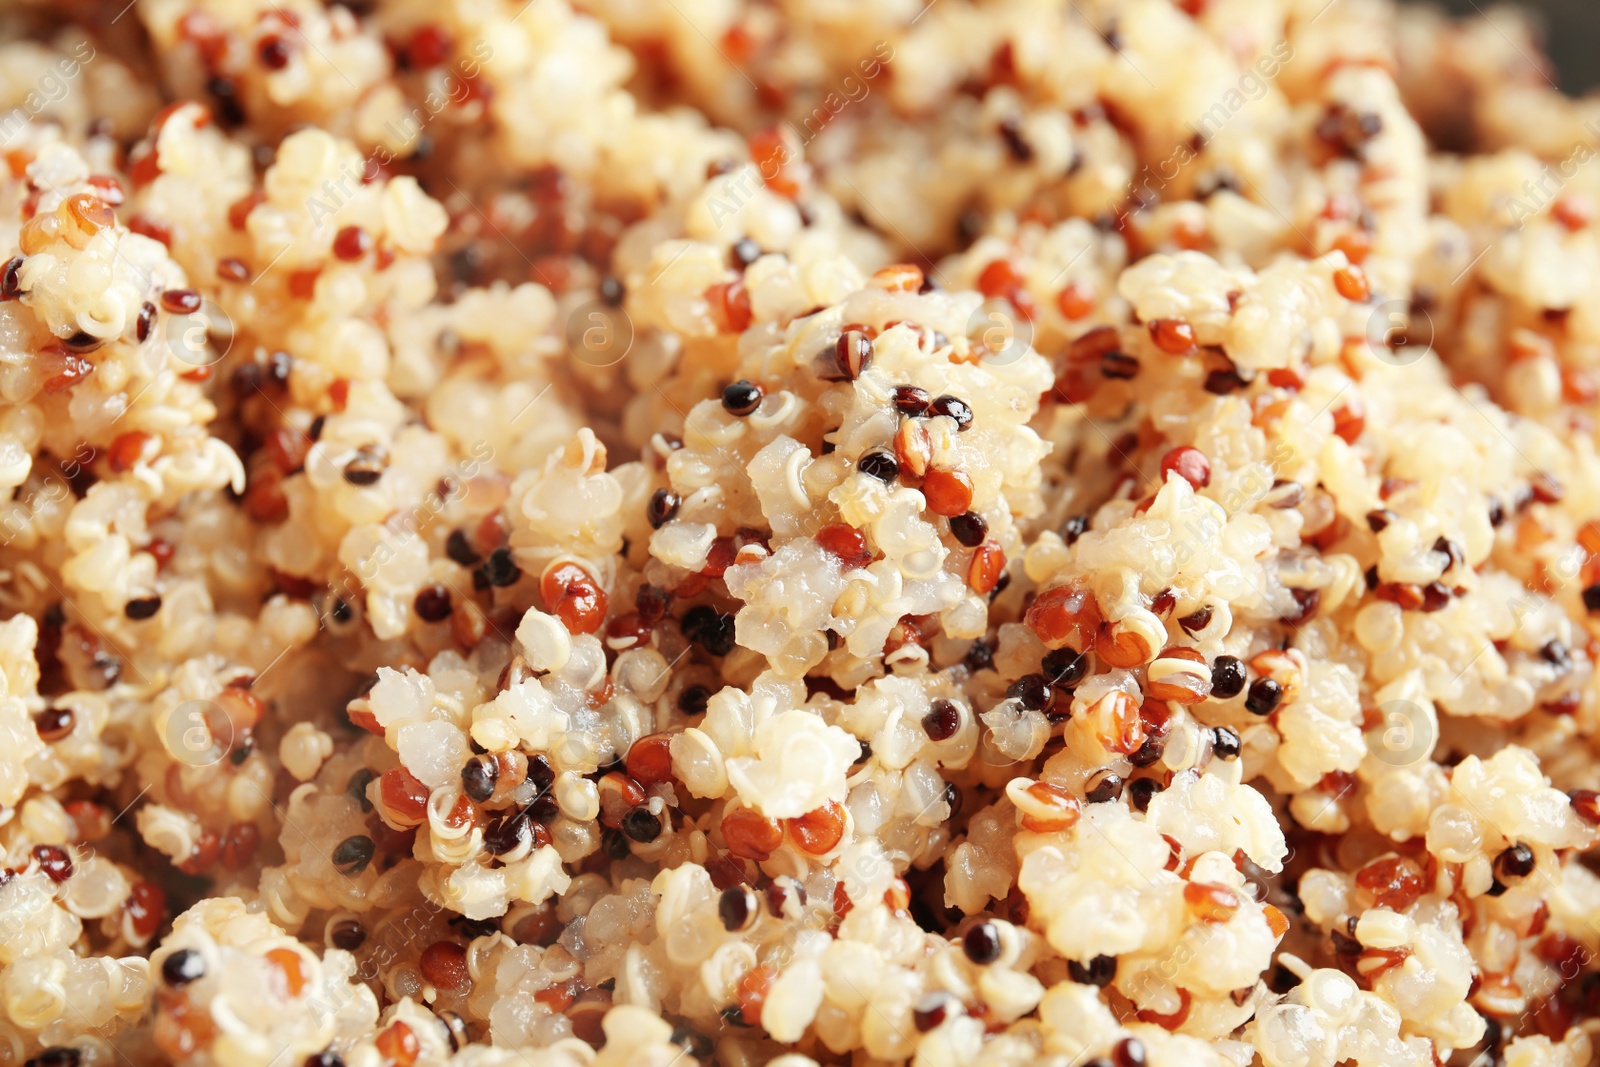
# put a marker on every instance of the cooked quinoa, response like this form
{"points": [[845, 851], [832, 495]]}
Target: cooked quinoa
{"points": [[640, 532]]}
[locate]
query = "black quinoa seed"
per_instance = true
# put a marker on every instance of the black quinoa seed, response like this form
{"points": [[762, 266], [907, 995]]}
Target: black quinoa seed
{"points": [[143, 608], [1225, 742], [969, 528], [182, 967], [1064, 667], [459, 549], [880, 464], [641, 825], [1097, 972], [741, 398], [1515, 863], [348, 934], [1140, 792], [709, 628], [737, 908], [953, 407], [1031, 691], [1103, 787], [351, 856], [663, 506], [942, 720], [911, 401], [501, 569], [508, 834], [982, 944], [479, 776], [1265, 693], [432, 604]]}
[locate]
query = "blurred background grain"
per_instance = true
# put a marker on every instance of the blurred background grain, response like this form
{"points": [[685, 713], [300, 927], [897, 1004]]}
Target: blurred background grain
{"points": [[1572, 36]]}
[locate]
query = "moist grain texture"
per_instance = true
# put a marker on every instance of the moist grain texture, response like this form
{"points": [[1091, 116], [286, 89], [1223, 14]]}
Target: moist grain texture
{"points": [[628, 533]]}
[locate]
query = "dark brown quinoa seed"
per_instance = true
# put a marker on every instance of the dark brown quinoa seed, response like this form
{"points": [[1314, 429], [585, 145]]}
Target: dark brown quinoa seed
{"points": [[182, 967], [1031, 691], [661, 509], [1149, 752], [909, 400], [942, 720], [1197, 620], [1064, 667], [1119, 366], [744, 252], [1265, 693], [954, 408], [54, 861], [181, 301], [1140, 792], [10, 284], [366, 468], [1097, 972], [432, 603], [981, 943], [146, 319], [1586, 802], [351, 856], [458, 548], [786, 897], [52, 724], [142, 608], [879, 463], [1435, 596], [612, 292], [1129, 1053], [1225, 381], [1379, 520], [969, 528], [1103, 786], [1515, 863], [356, 787], [852, 354], [479, 776], [1225, 743], [932, 1009], [741, 398], [737, 908], [508, 833], [540, 773], [500, 570], [347, 934], [641, 825], [692, 701]]}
